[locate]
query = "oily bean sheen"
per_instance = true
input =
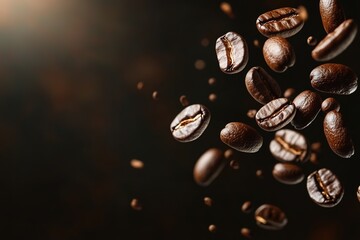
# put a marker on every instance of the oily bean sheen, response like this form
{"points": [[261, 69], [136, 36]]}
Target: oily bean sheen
{"points": [[308, 105], [284, 22], [261, 86], [288, 173], [330, 104], [334, 78], [241, 137], [209, 166], [270, 217], [232, 52], [275, 114], [332, 14], [335, 42], [290, 146], [279, 54], [337, 134], [190, 123], [324, 188]]}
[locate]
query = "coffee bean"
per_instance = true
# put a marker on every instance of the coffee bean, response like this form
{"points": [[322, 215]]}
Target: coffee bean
{"points": [[259, 173], [140, 85], [212, 228], [330, 104], [337, 134], [332, 14], [232, 52], [246, 207], [208, 201], [290, 146], [358, 193], [316, 147], [135, 204], [311, 41], [275, 114], [335, 42], [212, 97], [155, 95], [334, 78], [261, 86], [270, 217], [324, 188], [136, 163], [314, 158], [229, 153], [184, 101], [308, 106], [290, 93], [212, 81], [284, 22], [279, 54], [288, 173], [234, 164], [227, 9], [246, 232], [199, 64], [251, 113], [241, 137], [208, 166], [190, 123]]}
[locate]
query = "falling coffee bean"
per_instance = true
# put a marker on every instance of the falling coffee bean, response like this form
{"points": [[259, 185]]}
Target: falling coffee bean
{"points": [[324, 188], [275, 114], [334, 78], [212, 228], [261, 86], [246, 232], [190, 123], [270, 217], [284, 22], [335, 42], [208, 201], [338, 135], [311, 41], [279, 54], [135, 204], [358, 193], [290, 146], [290, 93], [332, 14], [330, 104], [246, 207], [308, 105], [208, 166], [288, 173], [241, 137], [232, 53]]}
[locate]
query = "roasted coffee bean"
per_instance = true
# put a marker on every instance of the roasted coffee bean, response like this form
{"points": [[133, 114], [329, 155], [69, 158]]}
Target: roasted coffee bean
{"points": [[324, 188], [229, 153], [288, 173], [284, 22], [270, 217], [232, 52], [190, 123], [136, 163], [209, 166], [246, 232], [246, 207], [330, 104], [275, 114], [136, 204], [259, 173], [332, 14], [184, 101], [311, 41], [212, 228], [337, 134], [335, 42], [308, 106], [208, 201], [278, 53], [290, 93], [316, 147], [241, 137], [234, 164], [358, 193], [334, 78], [290, 146], [261, 86]]}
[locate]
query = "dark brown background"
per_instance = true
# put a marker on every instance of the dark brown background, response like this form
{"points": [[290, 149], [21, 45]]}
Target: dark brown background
{"points": [[72, 119]]}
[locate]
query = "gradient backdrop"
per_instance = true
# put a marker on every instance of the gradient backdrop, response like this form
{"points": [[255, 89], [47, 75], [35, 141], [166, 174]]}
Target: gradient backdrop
{"points": [[72, 118]]}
